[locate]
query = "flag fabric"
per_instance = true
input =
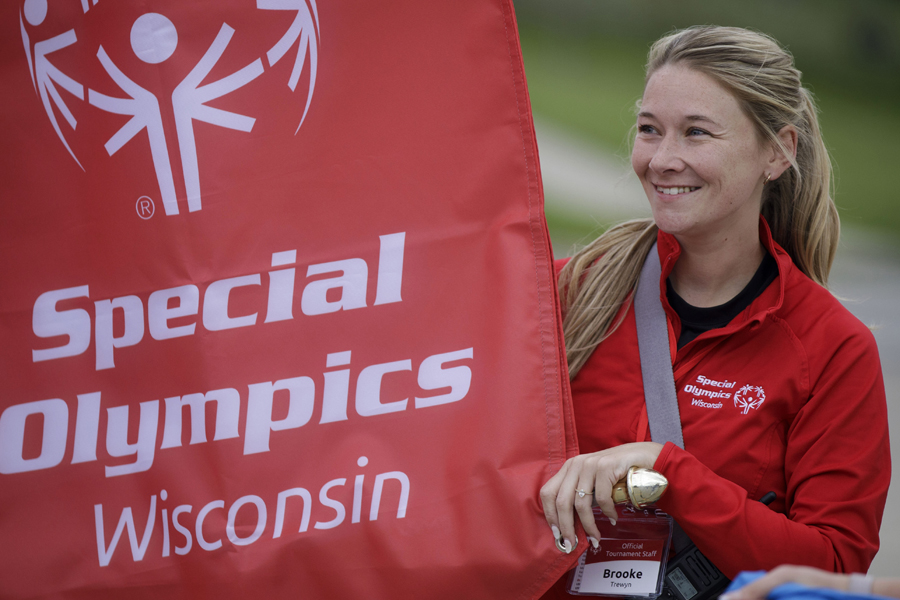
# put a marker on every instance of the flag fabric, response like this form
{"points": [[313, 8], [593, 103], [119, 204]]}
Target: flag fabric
{"points": [[277, 305]]}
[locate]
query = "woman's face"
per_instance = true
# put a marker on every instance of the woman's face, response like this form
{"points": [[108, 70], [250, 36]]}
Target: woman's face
{"points": [[698, 157]]}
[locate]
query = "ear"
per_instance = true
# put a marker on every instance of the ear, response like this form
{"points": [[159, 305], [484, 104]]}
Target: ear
{"points": [[778, 163]]}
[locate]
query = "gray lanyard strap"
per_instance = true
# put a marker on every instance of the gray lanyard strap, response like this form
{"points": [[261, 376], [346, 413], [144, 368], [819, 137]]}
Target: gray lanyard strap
{"points": [[656, 366], [659, 381], [656, 361]]}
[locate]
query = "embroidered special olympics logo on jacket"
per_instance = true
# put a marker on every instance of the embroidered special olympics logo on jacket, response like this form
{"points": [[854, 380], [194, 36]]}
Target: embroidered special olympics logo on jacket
{"points": [[749, 396], [153, 40]]}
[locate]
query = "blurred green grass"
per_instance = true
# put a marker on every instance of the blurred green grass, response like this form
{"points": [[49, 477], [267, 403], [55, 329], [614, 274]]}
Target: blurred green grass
{"points": [[569, 234], [589, 85]]}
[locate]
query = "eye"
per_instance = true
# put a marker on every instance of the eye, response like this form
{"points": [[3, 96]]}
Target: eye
{"points": [[648, 129], [695, 131]]}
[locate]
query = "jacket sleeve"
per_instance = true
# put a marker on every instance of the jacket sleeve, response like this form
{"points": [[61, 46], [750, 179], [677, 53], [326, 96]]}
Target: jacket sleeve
{"points": [[837, 472]]}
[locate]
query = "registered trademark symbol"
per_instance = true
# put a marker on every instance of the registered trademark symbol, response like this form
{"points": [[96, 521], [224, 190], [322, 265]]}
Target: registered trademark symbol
{"points": [[145, 207]]}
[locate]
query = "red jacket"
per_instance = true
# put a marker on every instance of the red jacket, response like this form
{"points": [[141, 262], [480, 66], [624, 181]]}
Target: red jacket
{"points": [[788, 398]]}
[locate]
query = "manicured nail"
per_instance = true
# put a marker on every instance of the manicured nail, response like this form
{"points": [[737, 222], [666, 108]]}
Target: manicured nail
{"points": [[612, 521], [594, 542], [555, 530], [568, 546]]}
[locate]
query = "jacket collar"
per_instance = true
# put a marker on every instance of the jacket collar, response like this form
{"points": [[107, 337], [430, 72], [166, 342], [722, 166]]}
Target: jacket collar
{"points": [[766, 304]]}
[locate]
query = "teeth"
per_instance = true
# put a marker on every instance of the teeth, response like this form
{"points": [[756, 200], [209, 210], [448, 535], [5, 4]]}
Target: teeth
{"points": [[675, 190]]}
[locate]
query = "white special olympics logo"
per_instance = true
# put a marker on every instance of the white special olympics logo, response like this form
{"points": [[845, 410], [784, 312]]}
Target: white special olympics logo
{"points": [[749, 396], [153, 39]]}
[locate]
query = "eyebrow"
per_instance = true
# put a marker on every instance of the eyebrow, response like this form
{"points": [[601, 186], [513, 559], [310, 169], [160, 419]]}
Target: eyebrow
{"points": [[701, 118]]}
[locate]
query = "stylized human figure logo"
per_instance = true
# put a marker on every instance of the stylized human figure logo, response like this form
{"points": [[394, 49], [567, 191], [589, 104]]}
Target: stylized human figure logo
{"points": [[44, 75], [154, 39], [749, 397]]}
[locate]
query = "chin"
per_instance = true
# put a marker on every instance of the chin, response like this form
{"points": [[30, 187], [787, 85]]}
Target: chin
{"points": [[673, 224]]}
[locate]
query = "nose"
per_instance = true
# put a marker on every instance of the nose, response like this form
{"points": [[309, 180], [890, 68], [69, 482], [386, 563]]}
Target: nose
{"points": [[667, 156]]}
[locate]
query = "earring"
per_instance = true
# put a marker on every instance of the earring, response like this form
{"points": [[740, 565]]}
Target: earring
{"points": [[768, 177]]}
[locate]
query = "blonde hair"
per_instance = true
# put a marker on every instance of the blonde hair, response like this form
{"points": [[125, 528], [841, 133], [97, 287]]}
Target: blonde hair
{"points": [[599, 280]]}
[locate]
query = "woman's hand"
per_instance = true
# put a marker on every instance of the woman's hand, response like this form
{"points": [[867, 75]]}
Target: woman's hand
{"points": [[595, 475]]}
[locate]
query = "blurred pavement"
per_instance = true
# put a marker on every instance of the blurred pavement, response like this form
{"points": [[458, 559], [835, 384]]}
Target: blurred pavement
{"points": [[582, 180]]}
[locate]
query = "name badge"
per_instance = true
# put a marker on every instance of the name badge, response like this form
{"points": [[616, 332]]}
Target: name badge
{"points": [[631, 559]]}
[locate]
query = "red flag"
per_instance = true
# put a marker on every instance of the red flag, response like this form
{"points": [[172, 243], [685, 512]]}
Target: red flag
{"points": [[277, 306]]}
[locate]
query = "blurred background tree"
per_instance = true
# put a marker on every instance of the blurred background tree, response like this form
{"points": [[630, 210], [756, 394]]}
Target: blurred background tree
{"points": [[584, 63]]}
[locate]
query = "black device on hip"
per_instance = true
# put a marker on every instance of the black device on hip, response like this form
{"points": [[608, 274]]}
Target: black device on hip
{"points": [[692, 576]]}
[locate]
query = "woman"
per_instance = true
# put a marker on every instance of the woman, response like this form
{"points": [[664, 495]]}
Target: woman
{"points": [[779, 387]]}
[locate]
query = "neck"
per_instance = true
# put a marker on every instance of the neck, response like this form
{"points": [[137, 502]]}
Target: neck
{"points": [[713, 271]]}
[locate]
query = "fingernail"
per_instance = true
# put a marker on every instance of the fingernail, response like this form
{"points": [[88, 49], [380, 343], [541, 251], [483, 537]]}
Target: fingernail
{"points": [[555, 530], [612, 521], [568, 546], [594, 542]]}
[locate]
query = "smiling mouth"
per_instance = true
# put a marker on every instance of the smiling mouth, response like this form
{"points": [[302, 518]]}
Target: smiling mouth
{"points": [[672, 191]]}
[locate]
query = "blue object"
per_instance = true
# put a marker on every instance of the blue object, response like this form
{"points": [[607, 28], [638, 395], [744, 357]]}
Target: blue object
{"points": [[795, 591]]}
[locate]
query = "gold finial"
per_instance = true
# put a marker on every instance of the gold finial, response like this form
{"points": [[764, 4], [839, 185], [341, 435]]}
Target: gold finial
{"points": [[640, 488]]}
